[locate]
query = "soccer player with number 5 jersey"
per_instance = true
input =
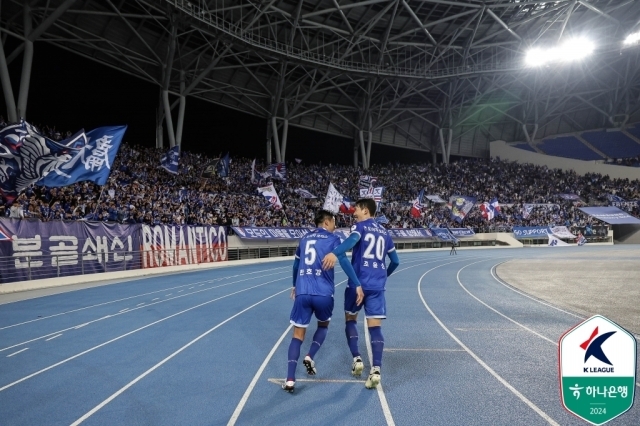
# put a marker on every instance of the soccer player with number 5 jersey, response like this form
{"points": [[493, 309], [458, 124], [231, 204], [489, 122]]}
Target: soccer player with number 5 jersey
{"points": [[371, 245], [313, 290]]}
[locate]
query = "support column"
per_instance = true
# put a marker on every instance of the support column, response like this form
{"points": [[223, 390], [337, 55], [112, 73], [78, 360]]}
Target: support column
{"points": [[285, 131], [181, 108], [355, 151], [159, 120], [7, 91], [165, 87], [363, 151], [27, 60], [276, 139], [167, 117], [268, 141], [369, 143], [449, 138], [444, 151]]}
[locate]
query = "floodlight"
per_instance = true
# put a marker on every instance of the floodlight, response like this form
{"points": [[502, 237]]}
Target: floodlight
{"points": [[570, 50], [632, 38]]}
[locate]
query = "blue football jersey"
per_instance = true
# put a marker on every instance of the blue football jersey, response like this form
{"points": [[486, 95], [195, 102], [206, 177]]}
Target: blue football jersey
{"points": [[370, 253], [311, 279]]}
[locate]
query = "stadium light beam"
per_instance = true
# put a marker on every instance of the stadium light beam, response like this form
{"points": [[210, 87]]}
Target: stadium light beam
{"points": [[570, 50], [632, 39]]}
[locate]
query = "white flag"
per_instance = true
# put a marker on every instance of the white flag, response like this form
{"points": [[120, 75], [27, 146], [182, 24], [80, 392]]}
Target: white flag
{"points": [[269, 192], [253, 172], [555, 242], [333, 199]]}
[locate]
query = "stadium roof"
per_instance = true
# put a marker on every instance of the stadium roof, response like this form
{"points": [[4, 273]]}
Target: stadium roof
{"points": [[415, 73]]}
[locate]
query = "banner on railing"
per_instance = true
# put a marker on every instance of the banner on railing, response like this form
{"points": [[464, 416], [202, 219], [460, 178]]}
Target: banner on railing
{"points": [[50, 249], [260, 233], [164, 245], [530, 231]]}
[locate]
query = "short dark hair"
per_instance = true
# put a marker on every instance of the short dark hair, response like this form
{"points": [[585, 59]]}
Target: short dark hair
{"points": [[322, 215], [367, 203]]}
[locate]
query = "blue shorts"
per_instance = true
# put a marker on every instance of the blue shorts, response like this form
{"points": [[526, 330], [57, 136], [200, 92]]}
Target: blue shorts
{"points": [[375, 305], [307, 304]]}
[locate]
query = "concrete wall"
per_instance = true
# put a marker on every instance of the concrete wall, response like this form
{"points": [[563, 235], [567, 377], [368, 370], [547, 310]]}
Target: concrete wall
{"points": [[626, 234], [506, 152]]}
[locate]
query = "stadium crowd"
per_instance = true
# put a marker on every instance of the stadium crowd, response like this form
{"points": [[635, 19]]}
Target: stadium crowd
{"points": [[139, 191]]}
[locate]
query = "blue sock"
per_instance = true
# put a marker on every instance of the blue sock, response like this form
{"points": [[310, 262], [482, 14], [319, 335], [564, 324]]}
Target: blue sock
{"points": [[294, 354], [352, 337], [318, 339], [377, 345]]}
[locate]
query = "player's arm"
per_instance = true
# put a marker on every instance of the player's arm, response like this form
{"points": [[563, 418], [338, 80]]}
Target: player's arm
{"points": [[395, 261], [330, 259], [348, 269], [296, 264]]}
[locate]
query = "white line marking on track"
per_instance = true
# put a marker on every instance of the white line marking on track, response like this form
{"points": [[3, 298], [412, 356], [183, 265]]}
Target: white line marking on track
{"points": [[180, 291], [281, 381], [138, 295], [498, 312], [499, 280], [80, 326], [133, 309], [190, 288], [506, 384], [135, 331], [16, 353], [157, 298], [140, 304], [247, 393], [252, 384], [51, 338], [421, 350], [167, 295], [123, 310], [150, 370], [383, 399]]}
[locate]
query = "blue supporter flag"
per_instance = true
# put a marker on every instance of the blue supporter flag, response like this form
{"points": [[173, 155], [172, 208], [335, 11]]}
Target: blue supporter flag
{"points": [[460, 206], [170, 160], [277, 171], [382, 219], [223, 166], [92, 162]]}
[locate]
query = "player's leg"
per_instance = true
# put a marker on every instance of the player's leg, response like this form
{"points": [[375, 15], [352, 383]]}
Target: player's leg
{"points": [[323, 309], [300, 318], [375, 311], [351, 310]]}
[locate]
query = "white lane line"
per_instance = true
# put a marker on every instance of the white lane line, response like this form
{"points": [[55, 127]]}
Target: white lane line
{"points": [[150, 370], [498, 312], [281, 381], [138, 295], [132, 332], [498, 279], [123, 310], [157, 298], [51, 338], [252, 384], [81, 325], [140, 304], [131, 310], [383, 399], [421, 350], [506, 384], [190, 288], [247, 393], [167, 295], [16, 353], [180, 291]]}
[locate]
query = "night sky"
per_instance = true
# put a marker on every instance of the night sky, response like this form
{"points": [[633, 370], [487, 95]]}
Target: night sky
{"points": [[70, 92]]}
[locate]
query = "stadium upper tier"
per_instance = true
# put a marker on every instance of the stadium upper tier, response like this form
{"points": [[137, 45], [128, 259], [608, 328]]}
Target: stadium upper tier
{"points": [[594, 145]]}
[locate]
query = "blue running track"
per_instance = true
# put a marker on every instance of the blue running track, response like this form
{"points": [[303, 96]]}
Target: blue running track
{"points": [[210, 348]]}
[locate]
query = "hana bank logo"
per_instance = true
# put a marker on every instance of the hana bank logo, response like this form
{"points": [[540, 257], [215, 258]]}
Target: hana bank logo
{"points": [[593, 348]]}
